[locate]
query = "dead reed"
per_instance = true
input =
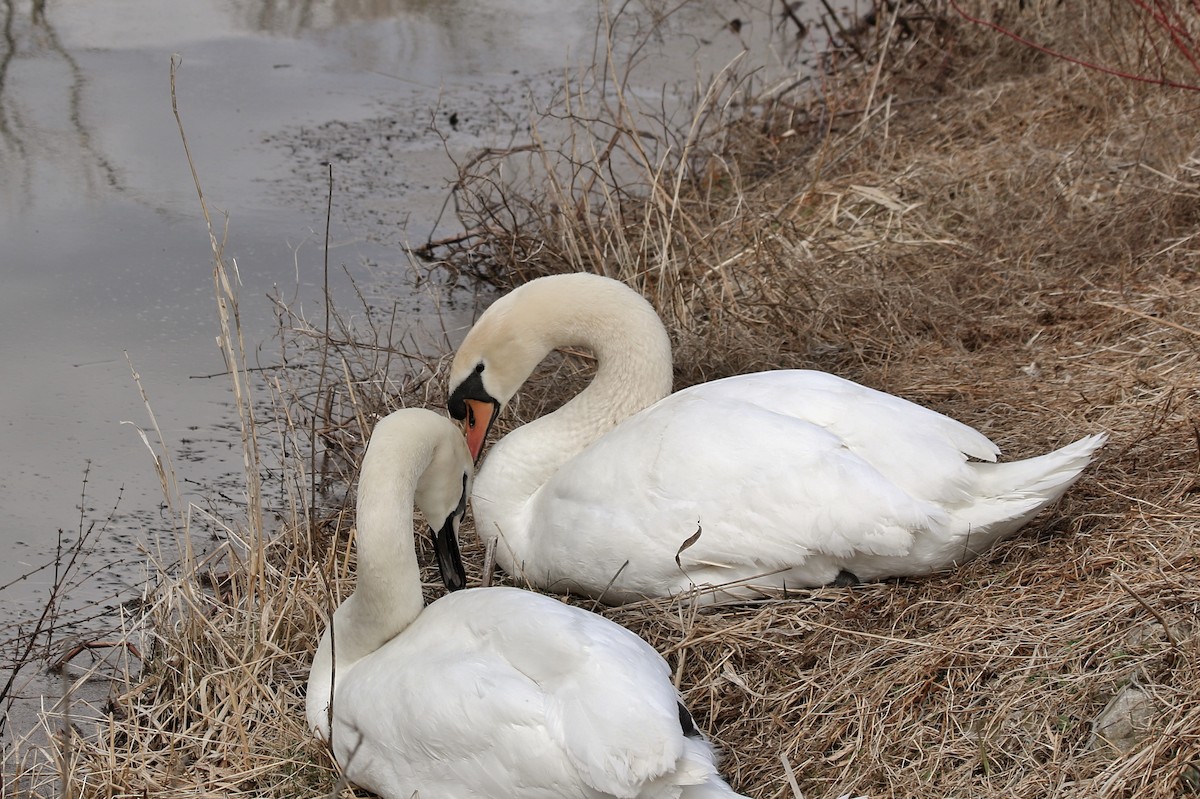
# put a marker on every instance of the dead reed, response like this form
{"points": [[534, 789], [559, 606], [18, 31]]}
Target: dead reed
{"points": [[945, 214]]}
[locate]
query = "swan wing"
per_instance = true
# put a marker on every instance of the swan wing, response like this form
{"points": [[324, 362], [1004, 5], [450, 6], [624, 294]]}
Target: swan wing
{"points": [[769, 469], [439, 723], [919, 449], [610, 702], [534, 693]]}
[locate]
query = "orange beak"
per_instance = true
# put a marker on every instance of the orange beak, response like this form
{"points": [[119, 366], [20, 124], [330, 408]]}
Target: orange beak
{"points": [[477, 424]]}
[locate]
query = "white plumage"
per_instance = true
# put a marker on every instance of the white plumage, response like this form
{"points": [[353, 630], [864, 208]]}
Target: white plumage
{"points": [[489, 692], [792, 478]]}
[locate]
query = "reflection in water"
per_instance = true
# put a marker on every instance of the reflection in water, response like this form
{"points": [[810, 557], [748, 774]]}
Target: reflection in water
{"points": [[37, 44], [10, 50], [296, 16], [407, 36]]}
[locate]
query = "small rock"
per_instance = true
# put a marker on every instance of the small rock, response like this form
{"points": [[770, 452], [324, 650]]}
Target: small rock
{"points": [[1126, 720]]}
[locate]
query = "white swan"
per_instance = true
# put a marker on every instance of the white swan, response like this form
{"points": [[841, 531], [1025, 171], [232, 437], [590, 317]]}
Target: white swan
{"points": [[792, 478], [489, 692]]}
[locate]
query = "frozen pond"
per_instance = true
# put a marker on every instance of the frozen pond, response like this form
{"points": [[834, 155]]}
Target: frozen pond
{"points": [[104, 256]]}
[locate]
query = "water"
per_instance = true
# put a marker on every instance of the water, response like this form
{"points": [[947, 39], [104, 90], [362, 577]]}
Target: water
{"points": [[105, 260]]}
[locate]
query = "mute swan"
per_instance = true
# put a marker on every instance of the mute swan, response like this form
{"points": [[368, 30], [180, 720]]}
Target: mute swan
{"points": [[780, 479], [488, 692]]}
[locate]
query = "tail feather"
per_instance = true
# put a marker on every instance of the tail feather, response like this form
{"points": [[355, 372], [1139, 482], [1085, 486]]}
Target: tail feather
{"points": [[715, 788], [694, 776], [1010, 494], [1004, 497], [1046, 476]]}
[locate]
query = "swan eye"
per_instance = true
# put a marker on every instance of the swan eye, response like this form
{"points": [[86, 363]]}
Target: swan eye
{"points": [[479, 368]]}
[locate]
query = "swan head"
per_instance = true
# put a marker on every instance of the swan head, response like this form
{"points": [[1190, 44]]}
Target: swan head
{"points": [[442, 492], [473, 404], [500, 351], [518, 330], [442, 488]]}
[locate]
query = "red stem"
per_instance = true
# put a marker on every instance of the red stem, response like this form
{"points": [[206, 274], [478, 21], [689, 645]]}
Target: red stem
{"points": [[1159, 81]]}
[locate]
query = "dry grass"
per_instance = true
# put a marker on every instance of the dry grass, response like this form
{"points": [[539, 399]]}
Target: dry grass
{"points": [[960, 220], [996, 234]]}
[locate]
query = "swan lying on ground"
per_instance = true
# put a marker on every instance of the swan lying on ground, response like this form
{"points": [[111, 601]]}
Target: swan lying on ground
{"points": [[766, 481], [488, 692]]}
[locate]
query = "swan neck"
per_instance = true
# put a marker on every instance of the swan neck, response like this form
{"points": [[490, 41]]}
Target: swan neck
{"points": [[387, 597], [633, 371], [633, 365]]}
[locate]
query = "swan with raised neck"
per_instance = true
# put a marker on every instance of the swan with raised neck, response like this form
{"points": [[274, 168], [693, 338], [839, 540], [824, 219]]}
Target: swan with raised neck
{"points": [[787, 478]]}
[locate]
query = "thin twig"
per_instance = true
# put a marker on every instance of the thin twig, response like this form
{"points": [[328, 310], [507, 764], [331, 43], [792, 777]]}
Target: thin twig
{"points": [[1166, 627]]}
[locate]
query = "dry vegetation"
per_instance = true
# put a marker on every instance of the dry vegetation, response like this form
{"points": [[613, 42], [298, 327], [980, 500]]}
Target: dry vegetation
{"points": [[953, 217]]}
